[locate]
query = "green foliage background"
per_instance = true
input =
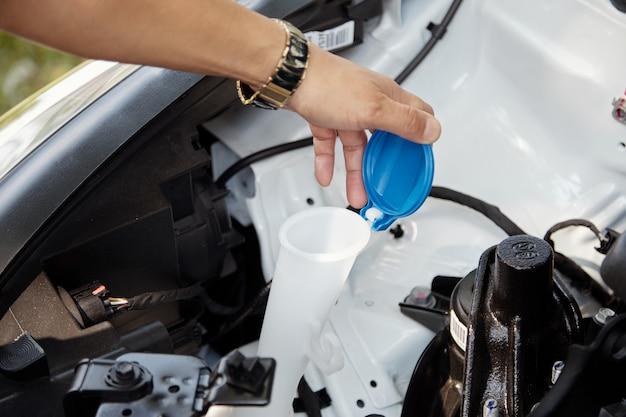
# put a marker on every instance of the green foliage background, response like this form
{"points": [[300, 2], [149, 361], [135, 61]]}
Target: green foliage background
{"points": [[26, 67]]}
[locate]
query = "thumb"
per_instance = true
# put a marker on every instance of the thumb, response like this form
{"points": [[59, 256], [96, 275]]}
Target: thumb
{"points": [[407, 121]]}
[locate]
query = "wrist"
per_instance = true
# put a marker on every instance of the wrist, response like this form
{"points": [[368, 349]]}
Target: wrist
{"points": [[276, 90], [309, 87]]}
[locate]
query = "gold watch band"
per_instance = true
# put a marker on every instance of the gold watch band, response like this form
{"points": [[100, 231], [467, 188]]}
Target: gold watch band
{"points": [[287, 76]]}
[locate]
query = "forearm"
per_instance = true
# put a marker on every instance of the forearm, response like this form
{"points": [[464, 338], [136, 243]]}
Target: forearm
{"points": [[216, 37]]}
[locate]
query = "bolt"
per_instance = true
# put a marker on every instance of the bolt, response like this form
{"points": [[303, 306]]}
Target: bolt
{"points": [[124, 370], [557, 368], [490, 408], [123, 374], [603, 315]]}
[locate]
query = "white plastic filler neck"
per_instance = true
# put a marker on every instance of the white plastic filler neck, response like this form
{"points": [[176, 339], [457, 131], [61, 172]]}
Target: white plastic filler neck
{"points": [[317, 250]]}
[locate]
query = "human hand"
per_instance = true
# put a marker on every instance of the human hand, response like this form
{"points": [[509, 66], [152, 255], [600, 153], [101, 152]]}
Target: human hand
{"points": [[340, 98]]}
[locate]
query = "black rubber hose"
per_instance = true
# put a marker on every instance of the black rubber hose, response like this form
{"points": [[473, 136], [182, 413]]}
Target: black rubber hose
{"points": [[437, 32], [243, 163], [492, 212], [570, 223], [153, 298], [571, 269]]}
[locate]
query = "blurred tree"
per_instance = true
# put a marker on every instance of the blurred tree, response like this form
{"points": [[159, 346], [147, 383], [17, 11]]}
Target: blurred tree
{"points": [[26, 67]]}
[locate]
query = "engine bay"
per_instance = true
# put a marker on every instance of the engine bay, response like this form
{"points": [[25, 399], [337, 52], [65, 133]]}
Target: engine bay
{"points": [[502, 296]]}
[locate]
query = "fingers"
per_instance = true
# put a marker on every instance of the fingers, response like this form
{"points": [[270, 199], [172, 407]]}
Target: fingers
{"points": [[405, 97], [404, 120], [324, 148], [353, 147]]}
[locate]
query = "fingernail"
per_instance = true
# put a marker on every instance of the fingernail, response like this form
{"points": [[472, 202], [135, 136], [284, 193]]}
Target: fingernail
{"points": [[432, 130]]}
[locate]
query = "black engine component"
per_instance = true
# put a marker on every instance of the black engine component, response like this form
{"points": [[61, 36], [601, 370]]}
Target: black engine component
{"points": [[431, 392], [521, 322], [510, 321], [431, 307], [613, 269], [619, 5], [142, 385], [594, 376], [203, 229], [90, 305]]}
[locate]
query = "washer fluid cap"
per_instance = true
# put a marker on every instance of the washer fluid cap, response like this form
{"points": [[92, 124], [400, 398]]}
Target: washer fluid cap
{"points": [[398, 176]]}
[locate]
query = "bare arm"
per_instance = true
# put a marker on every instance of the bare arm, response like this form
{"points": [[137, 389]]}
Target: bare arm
{"points": [[220, 37], [216, 37]]}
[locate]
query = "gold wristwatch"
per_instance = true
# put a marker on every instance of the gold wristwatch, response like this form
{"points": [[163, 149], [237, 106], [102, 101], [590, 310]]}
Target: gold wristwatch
{"points": [[287, 76]]}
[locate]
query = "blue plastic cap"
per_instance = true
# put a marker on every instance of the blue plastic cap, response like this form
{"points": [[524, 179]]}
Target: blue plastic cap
{"points": [[398, 176]]}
